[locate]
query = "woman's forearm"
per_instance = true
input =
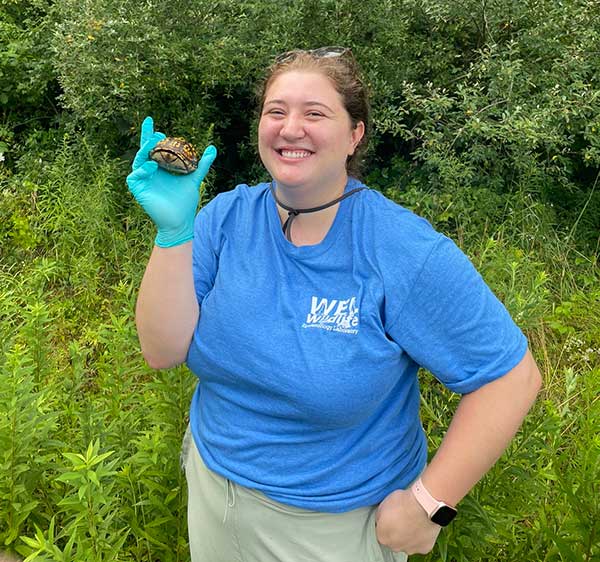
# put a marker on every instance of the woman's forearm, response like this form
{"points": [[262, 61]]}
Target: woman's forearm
{"points": [[482, 427], [167, 309]]}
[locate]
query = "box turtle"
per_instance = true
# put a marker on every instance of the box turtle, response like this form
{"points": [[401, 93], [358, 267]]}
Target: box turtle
{"points": [[176, 155]]}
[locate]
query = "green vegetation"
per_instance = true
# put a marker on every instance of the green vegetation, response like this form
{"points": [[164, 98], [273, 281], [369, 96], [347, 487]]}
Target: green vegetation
{"points": [[486, 122]]}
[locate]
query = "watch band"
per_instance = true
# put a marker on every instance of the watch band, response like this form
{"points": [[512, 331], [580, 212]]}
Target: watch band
{"points": [[437, 511]]}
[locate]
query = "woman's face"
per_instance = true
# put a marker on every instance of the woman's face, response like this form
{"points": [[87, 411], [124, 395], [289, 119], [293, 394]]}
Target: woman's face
{"points": [[305, 133]]}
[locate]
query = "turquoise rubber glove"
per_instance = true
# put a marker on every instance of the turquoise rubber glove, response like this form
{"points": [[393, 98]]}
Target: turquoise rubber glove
{"points": [[170, 200]]}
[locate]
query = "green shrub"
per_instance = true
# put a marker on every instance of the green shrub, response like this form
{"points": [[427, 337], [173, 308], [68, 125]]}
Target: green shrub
{"points": [[477, 95]]}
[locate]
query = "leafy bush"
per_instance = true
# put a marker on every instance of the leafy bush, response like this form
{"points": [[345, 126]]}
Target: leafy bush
{"points": [[28, 85], [25, 67], [477, 94]]}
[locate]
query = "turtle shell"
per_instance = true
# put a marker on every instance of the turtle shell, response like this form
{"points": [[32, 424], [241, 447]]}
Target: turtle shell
{"points": [[176, 155]]}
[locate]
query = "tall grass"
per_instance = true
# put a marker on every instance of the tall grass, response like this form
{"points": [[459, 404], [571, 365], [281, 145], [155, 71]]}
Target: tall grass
{"points": [[541, 500], [90, 437]]}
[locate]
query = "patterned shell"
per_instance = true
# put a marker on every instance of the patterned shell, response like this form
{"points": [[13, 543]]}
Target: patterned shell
{"points": [[176, 155]]}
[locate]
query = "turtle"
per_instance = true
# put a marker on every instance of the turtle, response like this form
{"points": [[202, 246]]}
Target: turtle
{"points": [[176, 155]]}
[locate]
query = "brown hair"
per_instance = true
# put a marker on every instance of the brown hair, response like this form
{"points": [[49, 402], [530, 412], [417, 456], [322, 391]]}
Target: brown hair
{"points": [[344, 73]]}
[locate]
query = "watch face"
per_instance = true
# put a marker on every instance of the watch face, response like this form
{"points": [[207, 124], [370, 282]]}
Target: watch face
{"points": [[444, 515]]}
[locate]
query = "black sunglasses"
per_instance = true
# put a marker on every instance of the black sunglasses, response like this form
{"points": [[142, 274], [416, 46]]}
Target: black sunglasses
{"points": [[320, 53]]}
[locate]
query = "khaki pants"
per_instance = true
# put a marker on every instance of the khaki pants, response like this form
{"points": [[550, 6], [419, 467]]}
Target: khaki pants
{"points": [[231, 523]]}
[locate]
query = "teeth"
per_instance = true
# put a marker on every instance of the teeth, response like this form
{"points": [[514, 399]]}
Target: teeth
{"points": [[295, 153]]}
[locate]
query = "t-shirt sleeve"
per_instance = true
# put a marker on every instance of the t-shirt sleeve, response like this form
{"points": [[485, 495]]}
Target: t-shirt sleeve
{"points": [[205, 260], [453, 325]]}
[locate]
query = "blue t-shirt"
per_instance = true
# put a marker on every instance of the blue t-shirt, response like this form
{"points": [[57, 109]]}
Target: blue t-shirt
{"points": [[307, 357]]}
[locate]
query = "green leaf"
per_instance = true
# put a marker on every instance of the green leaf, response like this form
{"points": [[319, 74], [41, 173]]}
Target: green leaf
{"points": [[71, 501], [79, 461], [69, 547], [93, 477], [565, 549], [70, 477], [118, 543]]}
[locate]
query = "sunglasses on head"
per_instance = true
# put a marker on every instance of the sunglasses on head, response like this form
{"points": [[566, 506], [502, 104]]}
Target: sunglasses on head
{"points": [[320, 53]]}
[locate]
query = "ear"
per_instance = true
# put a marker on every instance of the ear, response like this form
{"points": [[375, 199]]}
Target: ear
{"points": [[355, 136]]}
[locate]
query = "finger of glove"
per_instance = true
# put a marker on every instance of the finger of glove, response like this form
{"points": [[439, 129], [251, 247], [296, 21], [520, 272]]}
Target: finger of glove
{"points": [[138, 177], [147, 130], [142, 153], [208, 157]]}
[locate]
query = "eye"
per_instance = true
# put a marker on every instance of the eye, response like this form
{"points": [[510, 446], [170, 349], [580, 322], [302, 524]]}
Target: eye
{"points": [[315, 114], [275, 111]]}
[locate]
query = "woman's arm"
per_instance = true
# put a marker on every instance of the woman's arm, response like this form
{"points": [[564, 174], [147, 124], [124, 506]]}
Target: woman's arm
{"points": [[482, 427], [167, 309]]}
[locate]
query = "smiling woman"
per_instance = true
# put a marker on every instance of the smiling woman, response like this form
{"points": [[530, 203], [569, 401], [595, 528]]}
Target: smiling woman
{"points": [[305, 137], [339, 67], [314, 121], [305, 441]]}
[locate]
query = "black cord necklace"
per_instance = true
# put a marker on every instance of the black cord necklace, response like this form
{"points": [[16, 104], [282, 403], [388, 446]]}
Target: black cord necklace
{"points": [[293, 213]]}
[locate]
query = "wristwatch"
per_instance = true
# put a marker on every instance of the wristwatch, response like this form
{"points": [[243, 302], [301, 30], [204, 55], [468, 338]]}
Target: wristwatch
{"points": [[437, 511]]}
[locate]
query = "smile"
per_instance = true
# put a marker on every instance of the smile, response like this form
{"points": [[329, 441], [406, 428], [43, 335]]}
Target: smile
{"points": [[295, 154]]}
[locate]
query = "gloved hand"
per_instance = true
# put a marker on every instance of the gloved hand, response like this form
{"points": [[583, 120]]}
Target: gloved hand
{"points": [[170, 200]]}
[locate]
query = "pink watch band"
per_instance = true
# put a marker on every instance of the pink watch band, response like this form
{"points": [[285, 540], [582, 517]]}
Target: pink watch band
{"points": [[425, 499]]}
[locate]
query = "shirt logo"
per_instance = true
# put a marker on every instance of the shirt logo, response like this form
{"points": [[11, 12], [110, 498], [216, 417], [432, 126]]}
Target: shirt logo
{"points": [[333, 315]]}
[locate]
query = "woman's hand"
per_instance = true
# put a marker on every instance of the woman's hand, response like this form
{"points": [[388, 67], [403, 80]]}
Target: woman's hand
{"points": [[170, 200], [403, 525]]}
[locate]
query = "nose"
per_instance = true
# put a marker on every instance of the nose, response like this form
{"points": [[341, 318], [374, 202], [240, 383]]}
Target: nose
{"points": [[292, 127]]}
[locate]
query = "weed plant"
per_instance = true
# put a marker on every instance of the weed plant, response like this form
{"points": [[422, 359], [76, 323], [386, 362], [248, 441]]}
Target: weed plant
{"points": [[89, 437], [541, 500]]}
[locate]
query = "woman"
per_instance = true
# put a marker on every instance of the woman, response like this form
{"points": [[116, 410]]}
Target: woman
{"points": [[306, 306]]}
